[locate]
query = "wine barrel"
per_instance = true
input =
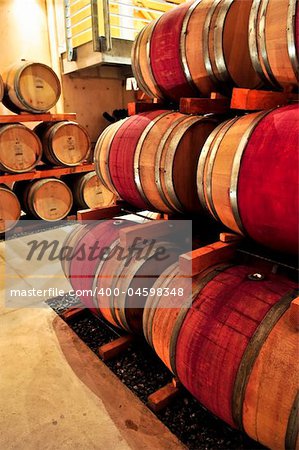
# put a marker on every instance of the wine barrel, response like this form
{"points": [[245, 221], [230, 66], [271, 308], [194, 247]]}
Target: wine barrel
{"points": [[88, 191], [87, 244], [49, 199], [69, 244], [1, 88], [151, 158], [232, 180], [20, 148], [10, 209], [126, 309], [274, 366], [64, 143], [233, 315], [217, 340], [31, 86], [274, 42], [194, 49]]}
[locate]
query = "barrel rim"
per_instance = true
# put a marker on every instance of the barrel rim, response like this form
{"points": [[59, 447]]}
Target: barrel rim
{"points": [[205, 43], [159, 92], [5, 188]]}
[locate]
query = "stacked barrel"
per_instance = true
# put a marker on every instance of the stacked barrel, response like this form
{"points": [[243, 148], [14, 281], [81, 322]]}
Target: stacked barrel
{"points": [[206, 45], [35, 88], [237, 344]]}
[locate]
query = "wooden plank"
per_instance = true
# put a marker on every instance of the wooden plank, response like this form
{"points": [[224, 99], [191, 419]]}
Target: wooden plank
{"points": [[230, 237], [253, 100], [204, 105], [163, 397], [45, 172], [294, 314], [72, 313], [148, 231], [194, 262], [115, 348], [98, 214], [139, 107], [24, 117], [216, 95]]}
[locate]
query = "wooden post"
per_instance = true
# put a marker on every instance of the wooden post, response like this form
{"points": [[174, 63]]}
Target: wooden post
{"points": [[163, 397]]}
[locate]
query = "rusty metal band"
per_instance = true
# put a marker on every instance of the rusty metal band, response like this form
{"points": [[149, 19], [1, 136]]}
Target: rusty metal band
{"points": [[162, 283], [183, 58], [233, 194], [263, 44], [211, 162], [223, 73], [293, 425], [205, 43], [169, 159], [253, 44], [200, 285], [160, 149], [137, 154], [291, 30], [252, 352], [202, 163], [158, 92]]}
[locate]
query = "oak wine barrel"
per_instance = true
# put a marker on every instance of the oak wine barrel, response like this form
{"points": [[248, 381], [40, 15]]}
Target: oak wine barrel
{"points": [[64, 143], [150, 159], [88, 191], [31, 87], [248, 176], [223, 345], [10, 209], [274, 42], [48, 199], [195, 49], [20, 148]]}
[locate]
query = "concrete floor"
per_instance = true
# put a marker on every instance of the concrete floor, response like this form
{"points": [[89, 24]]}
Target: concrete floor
{"points": [[56, 394]]}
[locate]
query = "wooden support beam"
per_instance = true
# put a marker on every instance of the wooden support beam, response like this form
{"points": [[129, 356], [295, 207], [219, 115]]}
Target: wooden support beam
{"points": [[253, 100], [204, 105], [25, 117], [192, 263], [140, 107], [230, 237], [149, 230], [115, 348], [72, 313], [163, 397], [98, 214], [294, 314]]}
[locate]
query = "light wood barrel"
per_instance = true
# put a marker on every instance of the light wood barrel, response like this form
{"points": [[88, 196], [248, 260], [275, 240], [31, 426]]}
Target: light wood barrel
{"points": [[64, 143], [277, 367], [129, 277], [49, 199], [20, 148], [1, 88], [10, 209], [150, 159], [231, 176], [31, 86], [274, 42], [194, 49], [88, 191]]}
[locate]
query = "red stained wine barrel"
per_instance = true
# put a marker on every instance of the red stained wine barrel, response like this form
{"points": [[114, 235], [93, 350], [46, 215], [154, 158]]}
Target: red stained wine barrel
{"points": [[83, 265], [223, 333], [248, 176], [150, 159], [121, 157], [195, 49]]}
